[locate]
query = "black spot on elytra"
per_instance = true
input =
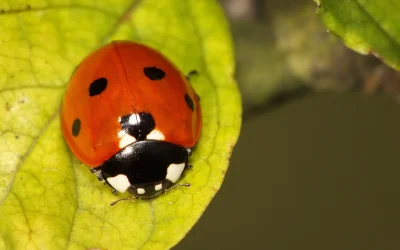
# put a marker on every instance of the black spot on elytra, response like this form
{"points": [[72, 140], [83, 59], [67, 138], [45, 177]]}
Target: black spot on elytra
{"points": [[97, 86], [154, 73], [189, 102], [144, 125], [76, 127]]}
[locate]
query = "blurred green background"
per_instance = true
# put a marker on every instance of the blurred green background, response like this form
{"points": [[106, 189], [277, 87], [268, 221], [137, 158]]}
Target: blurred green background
{"points": [[316, 165]]}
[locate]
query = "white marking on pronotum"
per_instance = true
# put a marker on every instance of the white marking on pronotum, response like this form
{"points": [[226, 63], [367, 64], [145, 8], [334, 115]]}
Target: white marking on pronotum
{"points": [[140, 191], [156, 134], [121, 133], [119, 182], [158, 187], [125, 139], [134, 119], [174, 172]]}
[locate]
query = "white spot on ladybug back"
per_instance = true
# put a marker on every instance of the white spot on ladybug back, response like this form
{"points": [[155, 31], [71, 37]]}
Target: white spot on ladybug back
{"points": [[134, 119], [119, 183], [158, 187], [174, 172], [125, 139], [155, 134], [140, 191]]}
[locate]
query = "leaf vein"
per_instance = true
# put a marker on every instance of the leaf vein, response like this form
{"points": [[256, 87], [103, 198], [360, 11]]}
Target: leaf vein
{"points": [[27, 153]]}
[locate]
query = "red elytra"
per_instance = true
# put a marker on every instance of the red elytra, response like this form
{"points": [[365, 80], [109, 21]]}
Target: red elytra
{"points": [[124, 78]]}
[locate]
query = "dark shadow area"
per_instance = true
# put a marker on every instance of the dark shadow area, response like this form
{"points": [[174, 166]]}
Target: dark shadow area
{"points": [[318, 173]]}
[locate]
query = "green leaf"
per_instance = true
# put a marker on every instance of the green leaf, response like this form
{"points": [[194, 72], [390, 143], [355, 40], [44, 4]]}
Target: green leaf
{"points": [[366, 26], [48, 200]]}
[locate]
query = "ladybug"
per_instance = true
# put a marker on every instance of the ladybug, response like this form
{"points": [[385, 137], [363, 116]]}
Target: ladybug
{"points": [[132, 116]]}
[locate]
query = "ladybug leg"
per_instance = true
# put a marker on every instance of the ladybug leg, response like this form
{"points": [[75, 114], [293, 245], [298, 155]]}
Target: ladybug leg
{"points": [[191, 73], [177, 185], [98, 173], [188, 167], [113, 191], [100, 177], [124, 199]]}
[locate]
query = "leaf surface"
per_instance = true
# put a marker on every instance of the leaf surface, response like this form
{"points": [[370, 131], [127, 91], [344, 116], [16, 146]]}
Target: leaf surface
{"points": [[365, 26], [48, 199]]}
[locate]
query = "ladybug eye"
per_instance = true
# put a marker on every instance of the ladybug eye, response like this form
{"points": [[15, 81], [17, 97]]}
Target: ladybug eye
{"points": [[154, 73], [189, 102], [97, 86], [76, 127]]}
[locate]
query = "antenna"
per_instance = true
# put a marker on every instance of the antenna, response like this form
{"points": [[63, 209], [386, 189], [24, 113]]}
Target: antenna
{"points": [[124, 199], [178, 185]]}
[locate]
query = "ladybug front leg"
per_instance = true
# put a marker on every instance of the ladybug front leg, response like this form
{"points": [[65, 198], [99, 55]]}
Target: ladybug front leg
{"points": [[188, 167], [189, 152], [97, 172], [113, 191]]}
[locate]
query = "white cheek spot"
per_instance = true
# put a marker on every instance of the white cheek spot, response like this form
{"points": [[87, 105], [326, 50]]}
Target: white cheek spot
{"points": [[156, 134], [174, 172], [119, 183], [134, 119], [158, 187], [140, 191], [125, 139]]}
